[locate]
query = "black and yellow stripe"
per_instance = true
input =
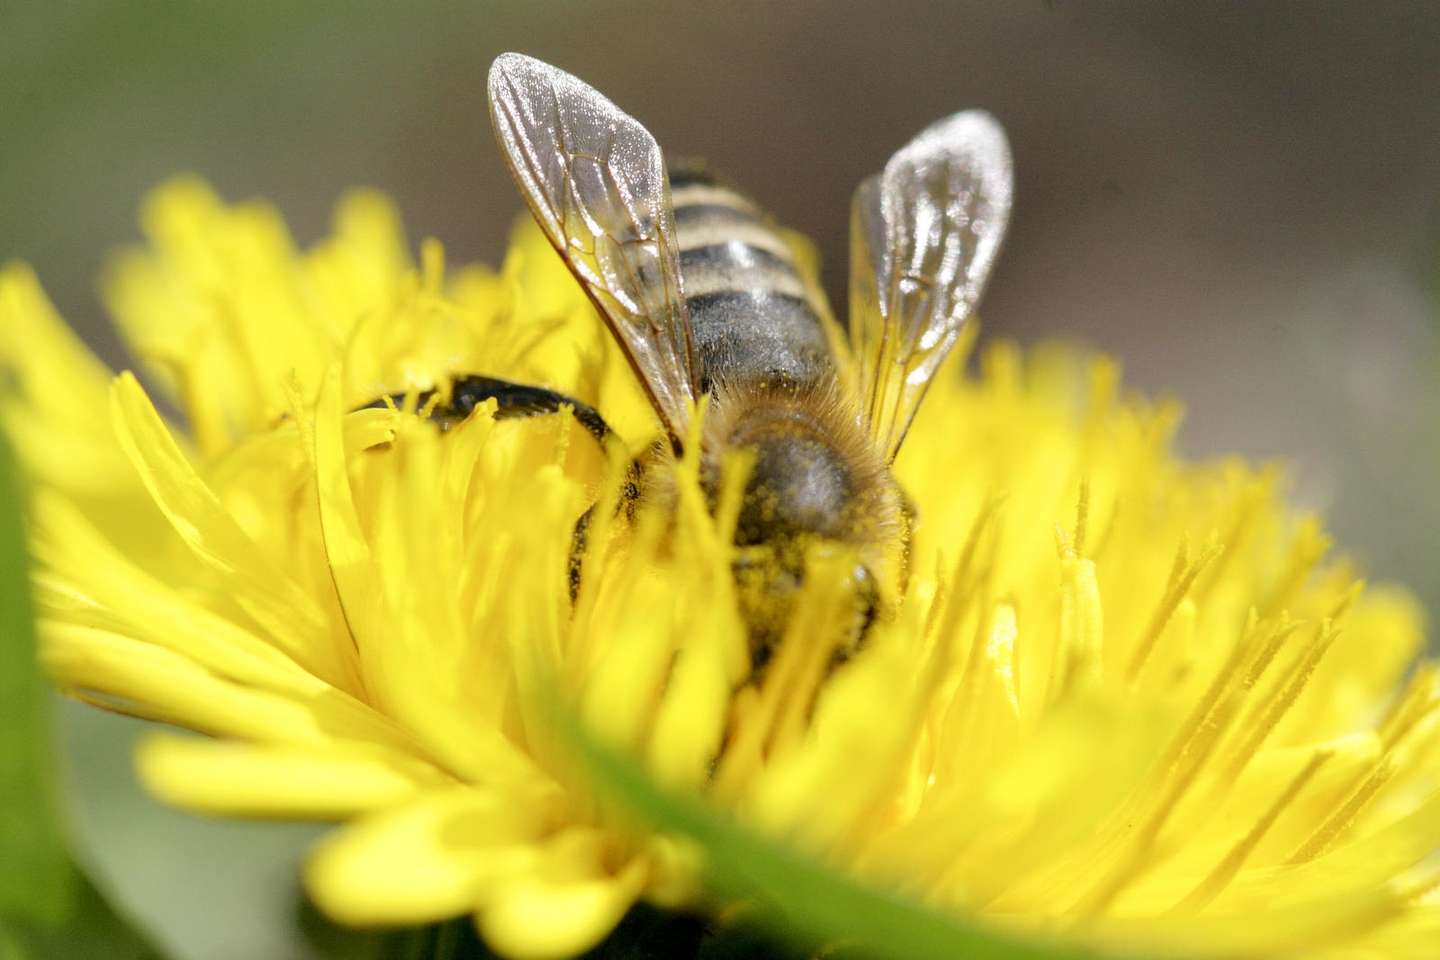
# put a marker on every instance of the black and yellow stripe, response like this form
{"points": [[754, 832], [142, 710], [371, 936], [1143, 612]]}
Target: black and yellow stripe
{"points": [[751, 313]]}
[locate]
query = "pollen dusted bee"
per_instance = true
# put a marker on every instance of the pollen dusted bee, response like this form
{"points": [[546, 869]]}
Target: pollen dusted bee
{"points": [[703, 295]]}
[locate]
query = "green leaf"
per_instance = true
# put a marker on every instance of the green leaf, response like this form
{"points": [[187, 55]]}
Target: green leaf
{"points": [[819, 905], [48, 909], [36, 879], [92, 930]]}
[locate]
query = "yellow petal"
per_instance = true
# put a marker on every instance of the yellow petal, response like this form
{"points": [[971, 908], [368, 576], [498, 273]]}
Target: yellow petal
{"points": [[360, 268], [153, 610], [58, 373], [152, 682], [424, 861], [218, 310], [346, 550], [690, 723], [563, 906], [281, 608], [237, 779], [57, 393]]}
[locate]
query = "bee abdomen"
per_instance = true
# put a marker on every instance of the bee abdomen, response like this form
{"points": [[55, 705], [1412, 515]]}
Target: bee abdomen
{"points": [[751, 311]]}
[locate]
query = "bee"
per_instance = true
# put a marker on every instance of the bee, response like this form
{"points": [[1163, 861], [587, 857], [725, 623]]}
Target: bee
{"points": [[704, 296]]}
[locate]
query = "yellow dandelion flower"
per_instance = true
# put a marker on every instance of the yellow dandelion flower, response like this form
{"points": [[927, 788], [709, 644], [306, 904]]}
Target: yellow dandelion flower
{"points": [[1127, 701]]}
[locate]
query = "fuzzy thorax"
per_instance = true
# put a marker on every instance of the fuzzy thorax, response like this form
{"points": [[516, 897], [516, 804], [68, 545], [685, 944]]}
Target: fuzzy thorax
{"points": [[815, 485]]}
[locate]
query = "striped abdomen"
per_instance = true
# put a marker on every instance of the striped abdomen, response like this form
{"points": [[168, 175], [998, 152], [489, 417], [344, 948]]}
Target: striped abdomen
{"points": [[752, 317]]}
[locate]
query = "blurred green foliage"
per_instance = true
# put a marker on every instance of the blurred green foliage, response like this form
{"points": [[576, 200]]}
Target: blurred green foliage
{"points": [[48, 909], [795, 901], [36, 885]]}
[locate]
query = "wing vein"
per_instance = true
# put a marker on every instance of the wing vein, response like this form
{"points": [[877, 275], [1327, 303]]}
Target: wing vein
{"points": [[595, 180]]}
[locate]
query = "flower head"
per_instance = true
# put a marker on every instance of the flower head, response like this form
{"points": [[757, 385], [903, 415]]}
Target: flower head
{"points": [[1125, 698]]}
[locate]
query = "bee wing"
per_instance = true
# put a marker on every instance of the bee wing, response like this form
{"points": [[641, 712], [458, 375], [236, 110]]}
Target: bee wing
{"points": [[924, 234], [595, 180]]}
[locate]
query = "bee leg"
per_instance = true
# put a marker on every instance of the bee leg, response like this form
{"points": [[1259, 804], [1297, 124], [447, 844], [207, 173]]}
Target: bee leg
{"points": [[577, 551], [909, 521], [515, 400], [867, 610], [525, 400], [579, 537], [512, 400]]}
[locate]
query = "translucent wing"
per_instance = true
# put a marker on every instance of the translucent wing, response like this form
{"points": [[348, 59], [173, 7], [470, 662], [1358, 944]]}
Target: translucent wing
{"points": [[594, 179], [924, 234]]}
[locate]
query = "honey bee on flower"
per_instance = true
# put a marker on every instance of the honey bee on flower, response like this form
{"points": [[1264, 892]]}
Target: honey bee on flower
{"points": [[1120, 700], [706, 300]]}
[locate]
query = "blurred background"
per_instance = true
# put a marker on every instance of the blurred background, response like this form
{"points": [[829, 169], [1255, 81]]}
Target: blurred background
{"points": [[1239, 200]]}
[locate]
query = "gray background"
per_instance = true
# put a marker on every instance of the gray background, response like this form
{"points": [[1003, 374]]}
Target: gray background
{"points": [[1237, 199]]}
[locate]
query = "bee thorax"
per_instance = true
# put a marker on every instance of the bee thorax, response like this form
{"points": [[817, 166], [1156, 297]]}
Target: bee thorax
{"points": [[812, 483], [798, 483], [811, 473]]}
